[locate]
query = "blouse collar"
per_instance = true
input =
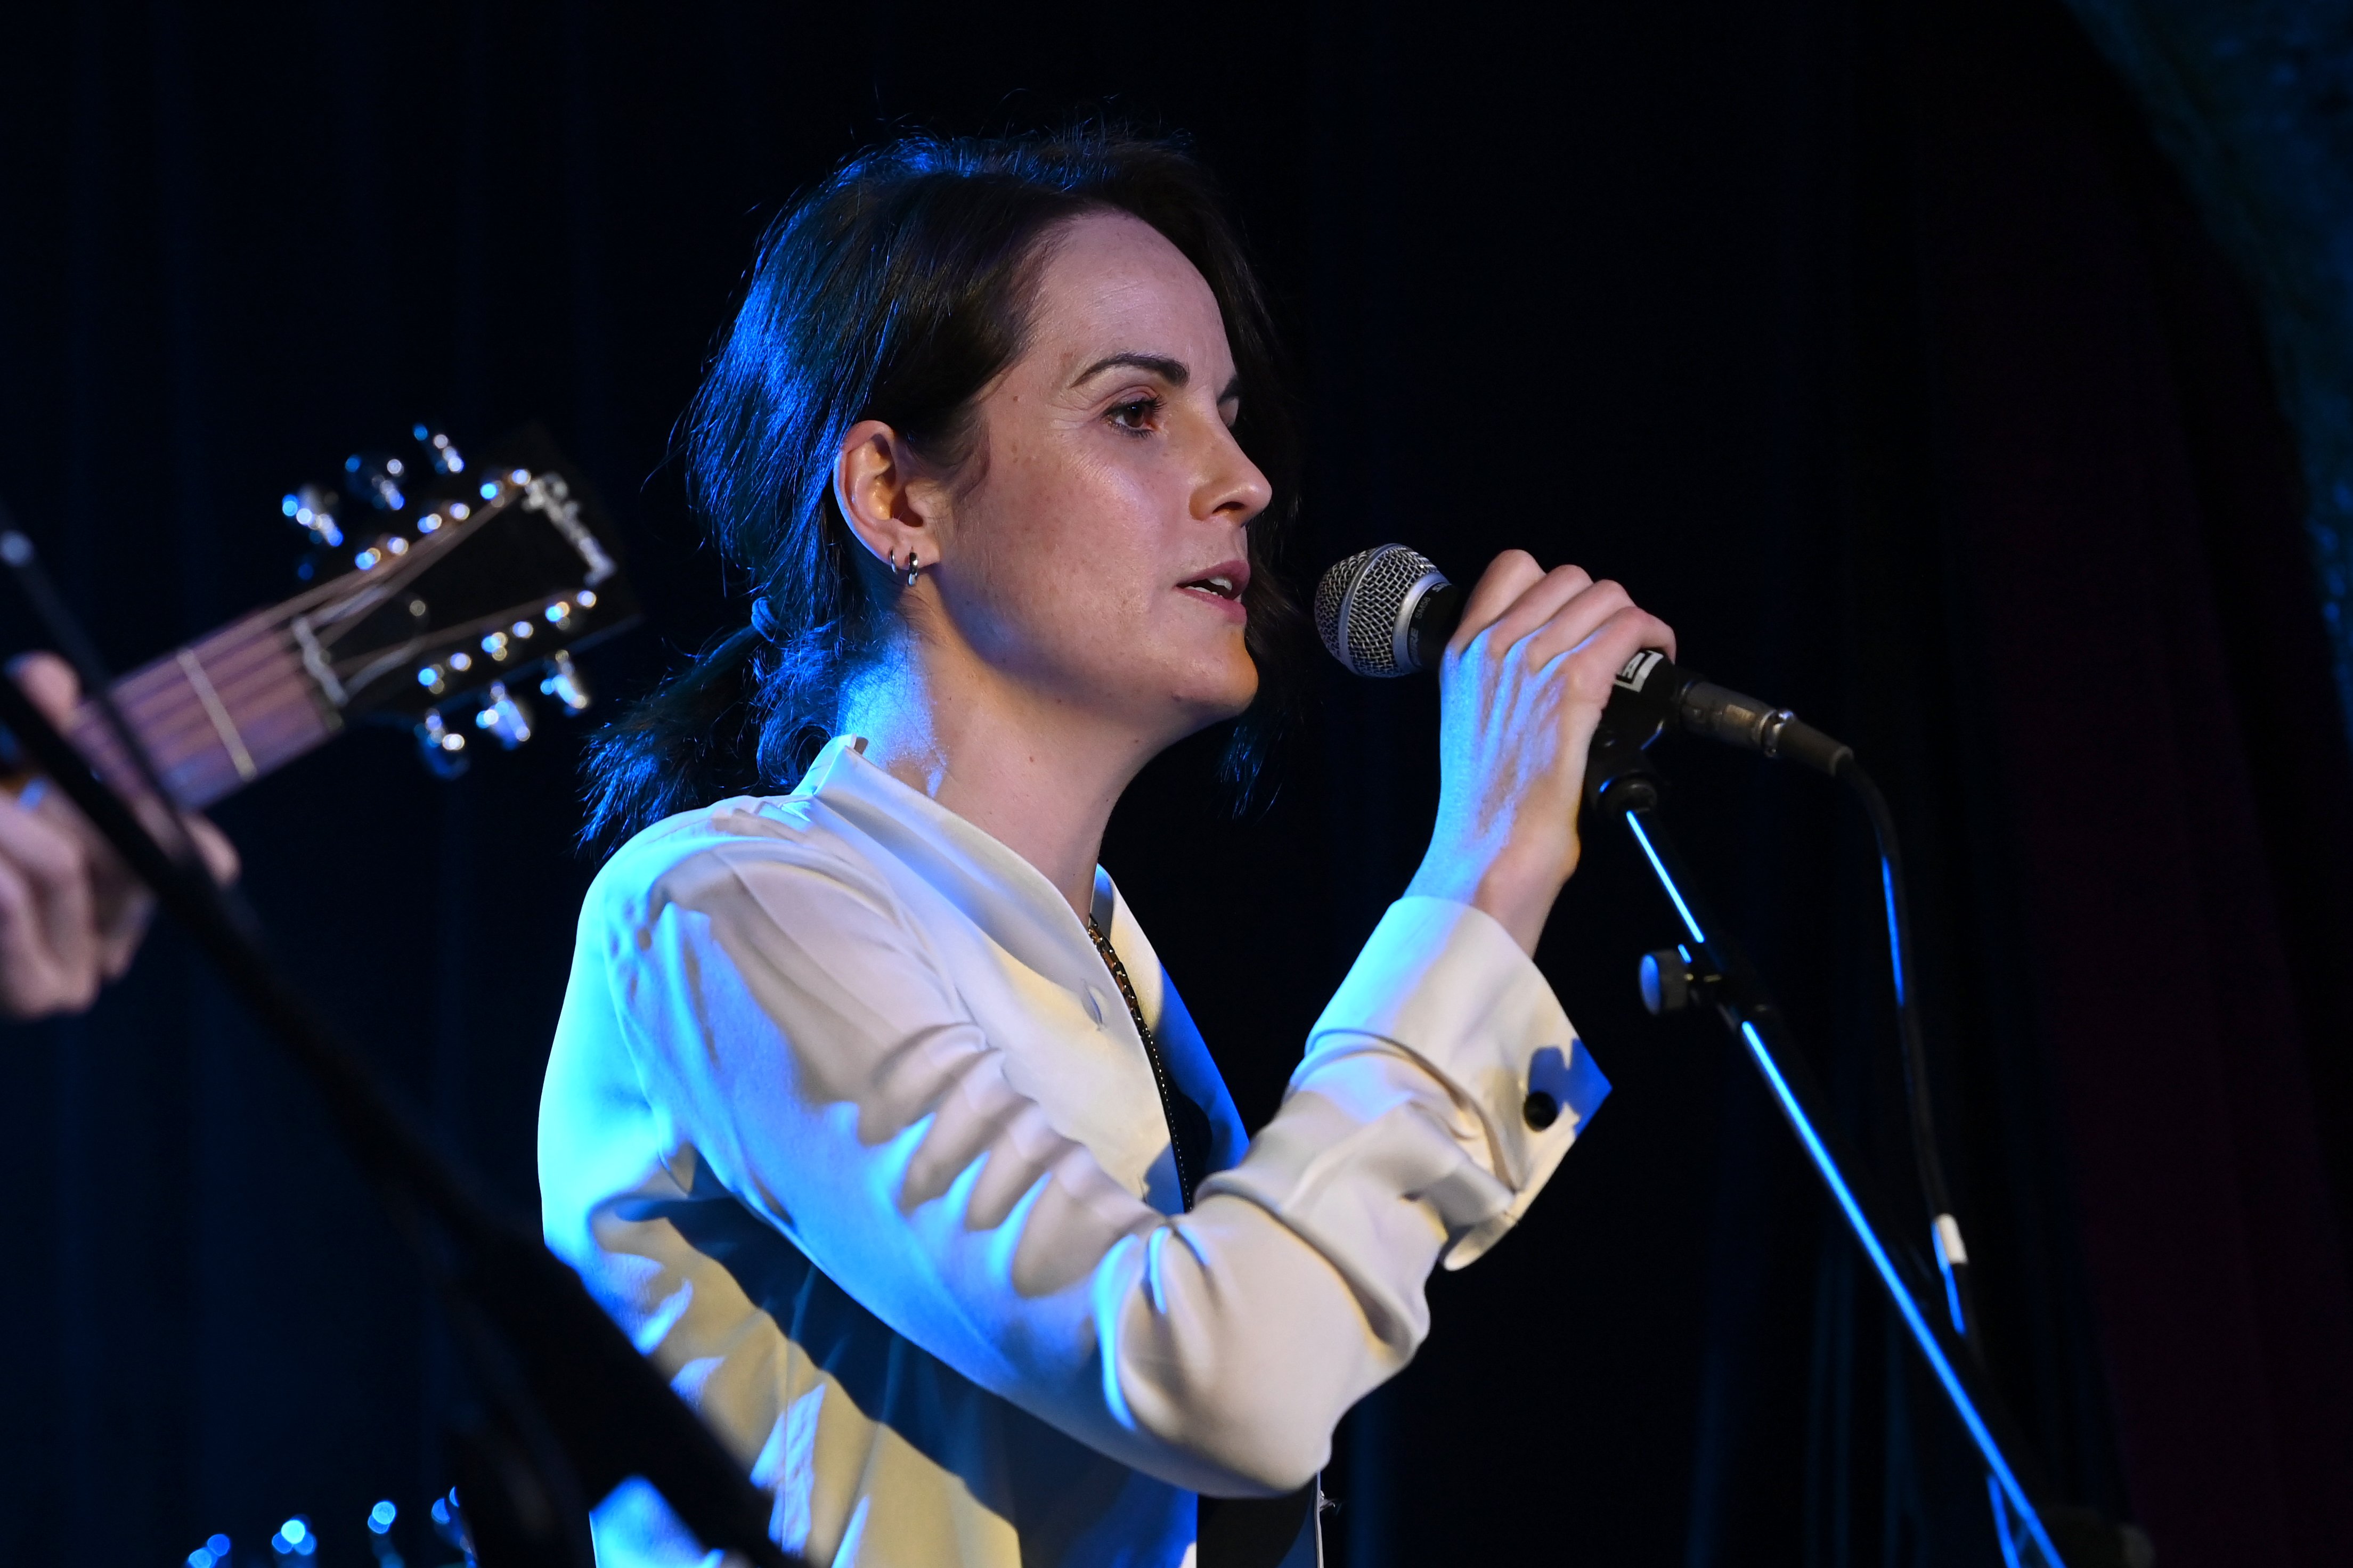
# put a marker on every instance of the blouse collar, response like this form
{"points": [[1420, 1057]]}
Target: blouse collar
{"points": [[998, 890]]}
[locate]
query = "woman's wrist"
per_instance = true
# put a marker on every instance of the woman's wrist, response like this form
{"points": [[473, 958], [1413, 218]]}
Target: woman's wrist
{"points": [[1516, 890]]}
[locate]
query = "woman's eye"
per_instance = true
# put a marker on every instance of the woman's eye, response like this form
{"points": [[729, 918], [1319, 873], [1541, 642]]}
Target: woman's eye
{"points": [[1136, 414]]}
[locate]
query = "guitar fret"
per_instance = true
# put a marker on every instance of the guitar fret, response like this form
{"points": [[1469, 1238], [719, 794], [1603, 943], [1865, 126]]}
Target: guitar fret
{"points": [[212, 716], [231, 742]]}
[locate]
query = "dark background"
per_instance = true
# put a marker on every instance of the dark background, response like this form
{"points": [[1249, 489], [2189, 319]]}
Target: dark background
{"points": [[1868, 341]]}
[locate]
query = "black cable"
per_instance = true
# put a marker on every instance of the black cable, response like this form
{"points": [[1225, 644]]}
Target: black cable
{"points": [[1952, 1256]]}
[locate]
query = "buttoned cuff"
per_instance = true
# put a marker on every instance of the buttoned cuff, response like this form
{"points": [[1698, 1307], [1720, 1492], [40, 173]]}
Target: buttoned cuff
{"points": [[1445, 984]]}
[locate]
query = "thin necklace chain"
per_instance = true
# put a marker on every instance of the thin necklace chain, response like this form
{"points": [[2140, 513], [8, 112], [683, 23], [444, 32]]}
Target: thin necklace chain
{"points": [[1185, 1175]]}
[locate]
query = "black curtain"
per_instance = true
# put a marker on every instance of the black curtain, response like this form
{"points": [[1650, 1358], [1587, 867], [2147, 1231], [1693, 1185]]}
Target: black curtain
{"points": [[1868, 341]]}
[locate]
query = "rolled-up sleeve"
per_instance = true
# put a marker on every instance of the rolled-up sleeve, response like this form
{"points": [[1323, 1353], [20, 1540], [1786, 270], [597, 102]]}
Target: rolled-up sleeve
{"points": [[809, 1047]]}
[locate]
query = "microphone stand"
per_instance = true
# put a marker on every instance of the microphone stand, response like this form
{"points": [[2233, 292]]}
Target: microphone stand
{"points": [[1622, 783], [573, 1409]]}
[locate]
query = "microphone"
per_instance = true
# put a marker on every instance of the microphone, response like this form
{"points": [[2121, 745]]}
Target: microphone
{"points": [[1388, 612]]}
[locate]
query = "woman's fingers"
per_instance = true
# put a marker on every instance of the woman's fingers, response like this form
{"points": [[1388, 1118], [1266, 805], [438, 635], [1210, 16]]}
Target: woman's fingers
{"points": [[1603, 627], [1543, 597], [1575, 619], [1549, 614], [1527, 677], [1506, 578]]}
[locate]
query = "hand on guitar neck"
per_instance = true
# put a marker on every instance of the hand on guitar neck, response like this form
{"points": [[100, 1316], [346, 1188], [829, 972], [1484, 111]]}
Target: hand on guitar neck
{"points": [[71, 916], [440, 597]]}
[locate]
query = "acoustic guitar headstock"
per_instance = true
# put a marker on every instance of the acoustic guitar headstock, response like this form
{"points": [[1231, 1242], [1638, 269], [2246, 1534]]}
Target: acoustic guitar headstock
{"points": [[443, 594], [451, 591]]}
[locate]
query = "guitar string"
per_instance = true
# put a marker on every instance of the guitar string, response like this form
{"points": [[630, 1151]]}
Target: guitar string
{"points": [[159, 704], [175, 726], [160, 700], [235, 655], [247, 676], [266, 631], [225, 653]]}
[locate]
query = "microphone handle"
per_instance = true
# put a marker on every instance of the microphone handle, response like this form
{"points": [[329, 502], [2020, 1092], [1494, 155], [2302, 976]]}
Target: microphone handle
{"points": [[1655, 694]]}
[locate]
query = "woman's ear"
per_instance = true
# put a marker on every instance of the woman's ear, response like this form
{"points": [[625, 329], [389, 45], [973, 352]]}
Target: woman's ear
{"points": [[881, 496]]}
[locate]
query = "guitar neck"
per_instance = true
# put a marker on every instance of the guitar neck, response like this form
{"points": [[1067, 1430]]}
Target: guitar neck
{"points": [[215, 715]]}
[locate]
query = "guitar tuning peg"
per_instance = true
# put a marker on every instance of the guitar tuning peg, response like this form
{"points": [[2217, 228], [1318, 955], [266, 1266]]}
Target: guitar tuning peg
{"points": [[564, 684], [439, 451], [505, 716], [379, 1523], [313, 510], [449, 1523], [295, 1539], [377, 479], [442, 749]]}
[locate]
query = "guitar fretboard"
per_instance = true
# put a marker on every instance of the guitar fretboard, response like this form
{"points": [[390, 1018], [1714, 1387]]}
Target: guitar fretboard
{"points": [[215, 715]]}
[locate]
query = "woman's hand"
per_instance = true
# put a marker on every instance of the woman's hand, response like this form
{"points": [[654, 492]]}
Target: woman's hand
{"points": [[71, 914], [1521, 692]]}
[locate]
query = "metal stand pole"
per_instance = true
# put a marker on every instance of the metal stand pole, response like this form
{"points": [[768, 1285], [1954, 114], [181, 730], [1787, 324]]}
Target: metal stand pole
{"points": [[1622, 783]]}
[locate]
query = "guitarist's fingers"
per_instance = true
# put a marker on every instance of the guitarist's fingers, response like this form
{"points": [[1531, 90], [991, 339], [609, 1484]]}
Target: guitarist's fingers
{"points": [[121, 905], [50, 682], [28, 987], [220, 856], [94, 912], [50, 942]]}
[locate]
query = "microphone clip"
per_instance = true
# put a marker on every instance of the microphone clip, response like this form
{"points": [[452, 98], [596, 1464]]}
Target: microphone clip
{"points": [[1620, 775]]}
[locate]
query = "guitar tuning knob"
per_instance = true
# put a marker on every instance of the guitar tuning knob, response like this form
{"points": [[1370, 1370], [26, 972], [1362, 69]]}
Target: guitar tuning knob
{"points": [[564, 684], [378, 479], [505, 716], [442, 749], [439, 451], [313, 510]]}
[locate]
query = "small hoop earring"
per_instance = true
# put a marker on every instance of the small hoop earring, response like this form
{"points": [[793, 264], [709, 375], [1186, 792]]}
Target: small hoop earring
{"points": [[914, 566]]}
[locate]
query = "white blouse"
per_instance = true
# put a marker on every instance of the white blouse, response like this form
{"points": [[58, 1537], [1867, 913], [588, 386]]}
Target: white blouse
{"points": [[847, 1126]]}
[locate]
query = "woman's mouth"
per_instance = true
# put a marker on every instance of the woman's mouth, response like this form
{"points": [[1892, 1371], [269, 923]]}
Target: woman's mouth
{"points": [[1223, 582]]}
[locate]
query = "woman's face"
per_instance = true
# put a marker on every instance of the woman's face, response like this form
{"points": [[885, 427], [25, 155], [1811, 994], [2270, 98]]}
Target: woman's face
{"points": [[1094, 551]]}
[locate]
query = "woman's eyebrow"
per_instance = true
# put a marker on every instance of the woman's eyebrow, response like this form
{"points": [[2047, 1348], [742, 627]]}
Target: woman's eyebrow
{"points": [[1172, 370]]}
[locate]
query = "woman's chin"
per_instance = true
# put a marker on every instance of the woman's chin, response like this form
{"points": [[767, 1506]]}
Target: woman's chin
{"points": [[1219, 695]]}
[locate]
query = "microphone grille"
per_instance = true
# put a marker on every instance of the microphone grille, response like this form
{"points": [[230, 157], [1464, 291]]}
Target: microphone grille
{"points": [[1360, 602]]}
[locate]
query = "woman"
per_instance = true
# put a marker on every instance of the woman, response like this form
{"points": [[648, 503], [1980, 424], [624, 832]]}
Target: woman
{"points": [[871, 1114]]}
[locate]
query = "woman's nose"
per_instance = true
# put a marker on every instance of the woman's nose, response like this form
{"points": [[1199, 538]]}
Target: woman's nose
{"points": [[1232, 486]]}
